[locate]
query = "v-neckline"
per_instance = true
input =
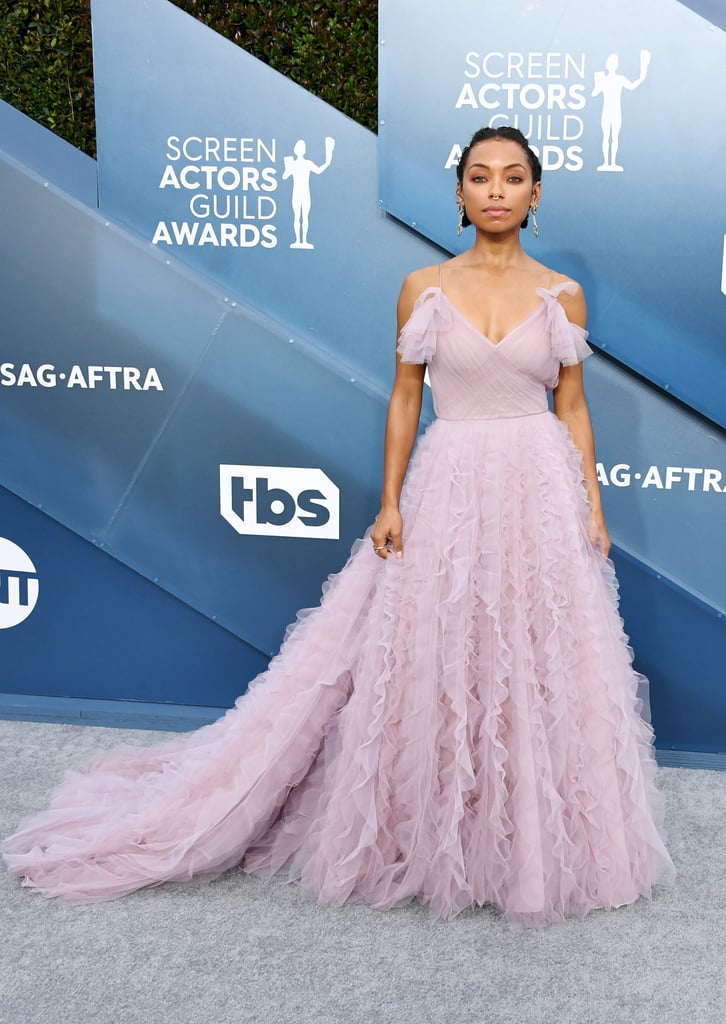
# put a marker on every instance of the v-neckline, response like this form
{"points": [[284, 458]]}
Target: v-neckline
{"points": [[494, 344]]}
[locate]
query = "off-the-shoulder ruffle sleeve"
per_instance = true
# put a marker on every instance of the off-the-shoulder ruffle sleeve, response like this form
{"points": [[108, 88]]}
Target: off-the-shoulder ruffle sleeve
{"points": [[430, 315], [567, 339]]}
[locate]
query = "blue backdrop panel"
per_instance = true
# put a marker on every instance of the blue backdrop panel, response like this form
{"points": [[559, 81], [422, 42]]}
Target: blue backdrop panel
{"points": [[160, 74], [137, 472], [99, 629], [713, 10], [679, 645], [92, 438], [662, 469], [645, 241], [29, 145], [274, 405]]}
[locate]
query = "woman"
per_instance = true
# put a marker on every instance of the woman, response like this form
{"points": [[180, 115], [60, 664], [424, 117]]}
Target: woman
{"points": [[457, 721]]}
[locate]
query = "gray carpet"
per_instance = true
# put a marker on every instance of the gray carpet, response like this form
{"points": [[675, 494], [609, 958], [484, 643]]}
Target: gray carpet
{"points": [[246, 951]]}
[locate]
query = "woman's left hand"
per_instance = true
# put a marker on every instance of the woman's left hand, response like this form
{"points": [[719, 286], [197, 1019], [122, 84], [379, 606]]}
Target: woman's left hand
{"points": [[597, 531]]}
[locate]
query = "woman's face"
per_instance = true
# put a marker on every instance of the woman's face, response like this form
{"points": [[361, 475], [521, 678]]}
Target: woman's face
{"points": [[497, 187]]}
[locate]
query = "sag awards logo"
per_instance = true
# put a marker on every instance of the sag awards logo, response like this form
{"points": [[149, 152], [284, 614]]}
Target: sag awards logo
{"points": [[84, 378], [663, 478], [231, 191], [275, 501], [18, 584], [549, 96]]}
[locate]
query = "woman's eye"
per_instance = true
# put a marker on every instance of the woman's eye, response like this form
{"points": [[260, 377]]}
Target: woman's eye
{"points": [[515, 179]]}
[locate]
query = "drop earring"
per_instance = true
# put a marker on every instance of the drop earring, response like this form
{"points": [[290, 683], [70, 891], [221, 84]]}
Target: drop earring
{"points": [[535, 227], [461, 221]]}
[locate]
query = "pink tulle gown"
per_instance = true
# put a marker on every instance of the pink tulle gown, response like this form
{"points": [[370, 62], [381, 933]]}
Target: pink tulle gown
{"points": [[462, 726]]}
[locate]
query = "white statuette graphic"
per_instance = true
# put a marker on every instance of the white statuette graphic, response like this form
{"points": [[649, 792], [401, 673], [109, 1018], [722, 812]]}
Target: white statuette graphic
{"points": [[609, 84], [299, 168], [18, 584]]}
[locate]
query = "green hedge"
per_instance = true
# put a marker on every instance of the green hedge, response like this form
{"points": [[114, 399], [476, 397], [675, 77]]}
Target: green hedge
{"points": [[46, 67]]}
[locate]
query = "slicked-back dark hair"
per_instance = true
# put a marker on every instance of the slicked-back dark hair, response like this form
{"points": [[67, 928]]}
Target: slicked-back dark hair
{"points": [[503, 131]]}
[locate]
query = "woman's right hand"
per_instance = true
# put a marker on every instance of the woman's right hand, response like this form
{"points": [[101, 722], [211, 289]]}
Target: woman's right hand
{"points": [[386, 533]]}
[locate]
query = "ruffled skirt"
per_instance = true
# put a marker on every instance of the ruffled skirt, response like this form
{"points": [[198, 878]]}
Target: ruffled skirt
{"points": [[462, 726]]}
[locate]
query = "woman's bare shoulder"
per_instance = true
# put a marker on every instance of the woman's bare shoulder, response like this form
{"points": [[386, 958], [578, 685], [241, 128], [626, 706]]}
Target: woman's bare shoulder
{"points": [[558, 278], [572, 300], [415, 284], [421, 279]]}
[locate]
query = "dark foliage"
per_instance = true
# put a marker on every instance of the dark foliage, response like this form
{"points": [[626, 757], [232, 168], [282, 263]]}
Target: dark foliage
{"points": [[329, 48], [46, 66]]}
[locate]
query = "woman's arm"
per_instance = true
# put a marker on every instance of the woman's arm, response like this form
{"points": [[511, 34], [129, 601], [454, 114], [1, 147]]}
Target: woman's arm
{"points": [[571, 407], [404, 410]]}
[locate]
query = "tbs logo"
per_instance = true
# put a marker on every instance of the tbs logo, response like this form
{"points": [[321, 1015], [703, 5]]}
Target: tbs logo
{"points": [[271, 501]]}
